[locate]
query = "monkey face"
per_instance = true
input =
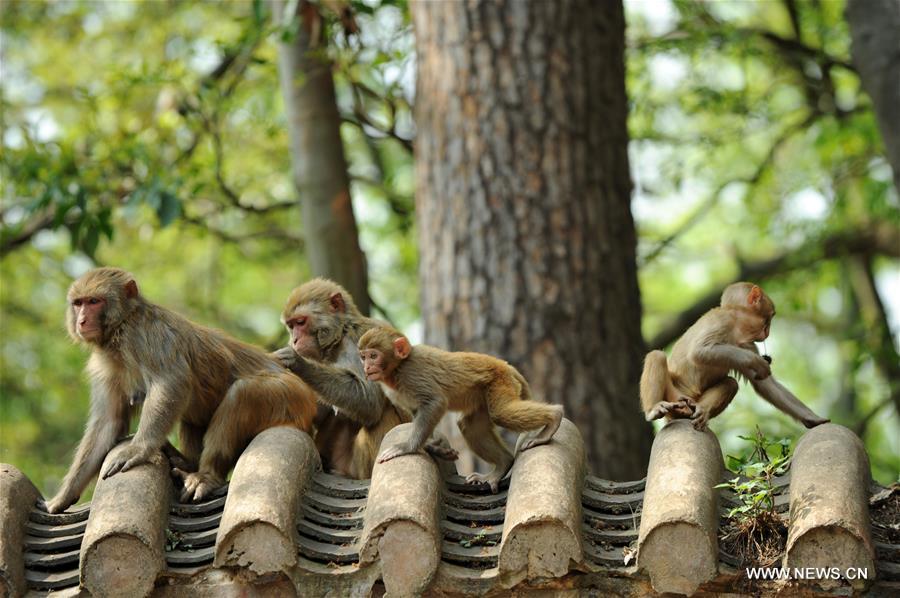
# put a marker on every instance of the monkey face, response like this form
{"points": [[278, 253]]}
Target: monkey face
{"points": [[376, 366], [87, 318], [303, 338], [764, 331]]}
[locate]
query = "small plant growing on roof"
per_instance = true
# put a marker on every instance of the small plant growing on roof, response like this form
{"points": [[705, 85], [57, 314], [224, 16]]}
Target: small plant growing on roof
{"points": [[754, 532]]}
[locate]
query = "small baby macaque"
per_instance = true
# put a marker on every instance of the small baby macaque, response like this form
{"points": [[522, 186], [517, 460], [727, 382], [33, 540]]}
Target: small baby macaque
{"points": [[694, 381], [428, 381]]}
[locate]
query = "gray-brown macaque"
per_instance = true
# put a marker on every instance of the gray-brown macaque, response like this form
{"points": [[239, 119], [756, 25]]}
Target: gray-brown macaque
{"points": [[694, 382], [486, 390], [223, 391], [354, 415]]}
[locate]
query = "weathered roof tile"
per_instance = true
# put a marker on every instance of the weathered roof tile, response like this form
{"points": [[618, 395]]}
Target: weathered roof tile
{"points": [[124, 540], [17, 496], [542, 528], [421, 531], [678, 543], [258, 527], [402, 524], [829, 503]]}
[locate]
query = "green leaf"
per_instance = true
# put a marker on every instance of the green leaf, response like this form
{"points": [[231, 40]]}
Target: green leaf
{"points": [[169, 208], [259, 12], [91, 241]]}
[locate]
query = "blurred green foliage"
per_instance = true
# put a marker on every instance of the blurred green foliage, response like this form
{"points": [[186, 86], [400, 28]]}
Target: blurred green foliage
{"points": [[753, 150], [151, 135]]}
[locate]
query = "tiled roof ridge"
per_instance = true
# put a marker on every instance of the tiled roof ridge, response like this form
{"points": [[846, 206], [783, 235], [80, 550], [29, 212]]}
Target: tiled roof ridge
{"points": [[284, 527]]}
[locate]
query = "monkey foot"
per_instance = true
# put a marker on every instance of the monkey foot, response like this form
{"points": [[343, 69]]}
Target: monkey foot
{"points": [[439, 451], [678, 408], [130, 456], [684, 407], [533, 442], [196, 485], [700, 418], [491, 479], [395, 451], [54, 505]]}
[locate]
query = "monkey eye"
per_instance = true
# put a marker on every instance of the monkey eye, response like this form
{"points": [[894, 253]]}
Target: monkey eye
{"points": [[76, 302], [93, 301]]}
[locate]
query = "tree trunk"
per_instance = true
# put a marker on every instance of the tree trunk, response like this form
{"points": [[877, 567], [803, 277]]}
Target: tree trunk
{"points": [[527, 242], [875, 31], [317, 153]]}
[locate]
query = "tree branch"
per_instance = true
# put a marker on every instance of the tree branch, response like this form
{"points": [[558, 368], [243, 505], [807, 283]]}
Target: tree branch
{"points": [[878, 337], [10, 241], [233, 197], [713, 199]]}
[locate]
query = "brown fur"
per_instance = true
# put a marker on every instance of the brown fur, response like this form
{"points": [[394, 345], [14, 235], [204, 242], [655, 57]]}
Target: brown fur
{"points": [[694, 381], [348, 440], [223, 391], [486, 390]]}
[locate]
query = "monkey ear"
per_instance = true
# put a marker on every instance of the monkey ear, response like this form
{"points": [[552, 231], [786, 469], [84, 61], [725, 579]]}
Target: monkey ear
{"points": [[337, 303], [754, 296], [401, 347], [131, 290]]}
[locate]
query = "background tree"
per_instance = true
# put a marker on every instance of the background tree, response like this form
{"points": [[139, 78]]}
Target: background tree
{"points": [[526, 241], [129, 128], [876, 52], [317, 151]]}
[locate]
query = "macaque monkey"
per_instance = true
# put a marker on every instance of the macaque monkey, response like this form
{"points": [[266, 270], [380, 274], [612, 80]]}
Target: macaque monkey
{"points": [[354, 415], [223, 391], [485, 389], [694, 381]]}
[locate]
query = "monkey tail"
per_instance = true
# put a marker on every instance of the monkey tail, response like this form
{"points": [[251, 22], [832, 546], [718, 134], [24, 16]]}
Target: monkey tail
{"points": [[511, 405]]}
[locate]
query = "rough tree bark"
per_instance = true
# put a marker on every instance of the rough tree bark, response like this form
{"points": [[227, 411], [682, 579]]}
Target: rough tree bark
{"points": [[527, 243], [875, 34], [317, 153]]}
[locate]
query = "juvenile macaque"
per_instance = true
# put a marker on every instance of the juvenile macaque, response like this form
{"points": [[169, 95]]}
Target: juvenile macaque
{"points": [[485, 389], [223, 391], [325, 325], [694, 381]]}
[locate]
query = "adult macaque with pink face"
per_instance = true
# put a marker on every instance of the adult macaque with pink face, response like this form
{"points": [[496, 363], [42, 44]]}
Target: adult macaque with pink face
{"points": [[222, 391]]}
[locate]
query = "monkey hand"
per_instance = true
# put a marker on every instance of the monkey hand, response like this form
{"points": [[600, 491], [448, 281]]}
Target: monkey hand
{"points": [[812, 422], [196, 485], [685, 407], [57, 504], [128, 457], [286, 357], [757, 368], [396, 451], [700, 418]]}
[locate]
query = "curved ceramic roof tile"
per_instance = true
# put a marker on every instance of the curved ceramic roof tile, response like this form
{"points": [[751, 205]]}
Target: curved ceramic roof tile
{"points": [[542, 529], [17, 497], [402, 525], [122, 552], [419, 532], [829, 514], [678, 543], [258, 529]]}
